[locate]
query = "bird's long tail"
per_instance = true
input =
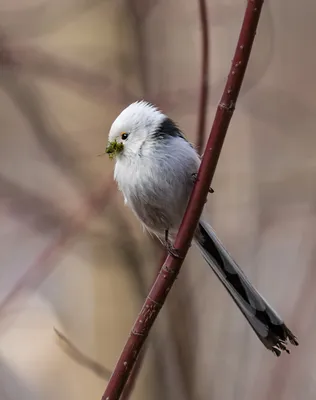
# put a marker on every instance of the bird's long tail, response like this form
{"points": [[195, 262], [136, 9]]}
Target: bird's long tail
{"points": [[266, 323]]}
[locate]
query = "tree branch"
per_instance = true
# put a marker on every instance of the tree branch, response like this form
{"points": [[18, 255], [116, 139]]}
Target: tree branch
{"points": [[172, 265], [204, 76]]}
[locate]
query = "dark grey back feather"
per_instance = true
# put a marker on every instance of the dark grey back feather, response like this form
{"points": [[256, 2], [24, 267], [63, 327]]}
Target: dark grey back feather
{"points": [[167, 128]]}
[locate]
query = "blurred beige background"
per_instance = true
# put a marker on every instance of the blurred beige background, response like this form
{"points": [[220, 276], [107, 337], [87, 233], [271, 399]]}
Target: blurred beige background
{"points": [[73, 257]]}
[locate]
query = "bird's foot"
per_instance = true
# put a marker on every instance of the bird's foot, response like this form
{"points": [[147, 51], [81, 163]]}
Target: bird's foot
{"points": [[171, 249], [194, 177]]}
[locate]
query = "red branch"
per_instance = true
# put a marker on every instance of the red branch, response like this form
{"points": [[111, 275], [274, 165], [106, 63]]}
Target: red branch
{"points": [[172, 265], [204, 77], [130, 384]]}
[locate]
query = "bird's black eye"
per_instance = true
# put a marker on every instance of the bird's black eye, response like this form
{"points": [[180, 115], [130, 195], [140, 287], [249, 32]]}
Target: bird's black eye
{"points": [[124, 136]]}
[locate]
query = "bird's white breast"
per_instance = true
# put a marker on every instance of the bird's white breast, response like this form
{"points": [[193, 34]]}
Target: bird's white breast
{"points": [[157, 183]]}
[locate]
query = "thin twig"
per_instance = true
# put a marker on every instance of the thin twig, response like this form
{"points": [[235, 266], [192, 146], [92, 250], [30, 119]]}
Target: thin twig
{"points": [[204, 76], [172, 265], [81, 358]]}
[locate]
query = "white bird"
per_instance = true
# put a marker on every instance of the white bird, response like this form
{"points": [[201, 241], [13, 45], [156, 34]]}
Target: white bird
{"points": [[155, 170]]}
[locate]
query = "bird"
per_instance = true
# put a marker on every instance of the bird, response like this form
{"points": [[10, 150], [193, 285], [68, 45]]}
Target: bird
{"points": [[155, 169]]}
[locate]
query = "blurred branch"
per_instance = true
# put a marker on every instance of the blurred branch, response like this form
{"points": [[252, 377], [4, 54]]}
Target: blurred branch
{"points": [[138, 15], [60, 151], [172, 265], [42, 267], [30, 103], [52, 14], [204, 76], [32, 208], [36, 211], [80, 358], [35, 61]]}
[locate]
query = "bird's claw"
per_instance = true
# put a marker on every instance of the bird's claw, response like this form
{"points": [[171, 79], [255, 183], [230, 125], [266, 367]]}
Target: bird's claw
{"points": [[173, 251], [194, 176]]}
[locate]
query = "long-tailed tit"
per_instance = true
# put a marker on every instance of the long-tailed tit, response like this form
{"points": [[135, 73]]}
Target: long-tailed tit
{"points": [[155, 169]]}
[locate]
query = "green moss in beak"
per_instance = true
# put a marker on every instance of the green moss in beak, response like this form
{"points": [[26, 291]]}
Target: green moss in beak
{"points": [[114, 148]]}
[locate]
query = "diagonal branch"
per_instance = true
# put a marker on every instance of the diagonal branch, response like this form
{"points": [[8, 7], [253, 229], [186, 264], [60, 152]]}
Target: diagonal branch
{"points": [[172, 265]]}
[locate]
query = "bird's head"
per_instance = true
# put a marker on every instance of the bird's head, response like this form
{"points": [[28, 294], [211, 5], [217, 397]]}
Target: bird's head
{"points": [[135, 124]]}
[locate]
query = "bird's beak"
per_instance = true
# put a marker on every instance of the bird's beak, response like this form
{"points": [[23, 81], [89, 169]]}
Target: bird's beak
{"points": [[114, 148]]}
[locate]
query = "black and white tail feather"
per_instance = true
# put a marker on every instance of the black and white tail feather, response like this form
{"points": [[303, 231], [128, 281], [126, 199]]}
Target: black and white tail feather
{"points": [[265, 322]]}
